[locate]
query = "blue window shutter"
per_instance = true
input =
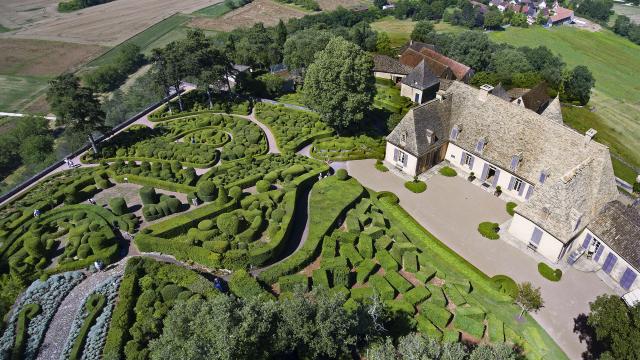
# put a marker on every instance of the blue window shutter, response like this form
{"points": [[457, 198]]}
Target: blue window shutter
{"points": [[598, 253], [485, 171], [495, 178], [536, 236], [395, 154], [522, 188], [587, 241], [471, 161], [404, 159], [511, 183], [529, 192], [480, 145], [454, 133], [514, 162], [543, 177], [609, 262], [464, 154], [628, 278]]}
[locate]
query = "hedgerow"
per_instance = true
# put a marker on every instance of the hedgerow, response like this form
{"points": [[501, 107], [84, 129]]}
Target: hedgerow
{"points": [[348, 148], [243, 285], [417, 295], [398, 281], [292, 128], [471, 326], [438, 315], [196, 101]]}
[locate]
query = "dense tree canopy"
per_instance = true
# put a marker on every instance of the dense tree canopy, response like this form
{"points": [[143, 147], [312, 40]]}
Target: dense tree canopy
{"points": [[301, 47], [577, 85], [340, 84], [617, 327], [505, 63], [421, 32]]}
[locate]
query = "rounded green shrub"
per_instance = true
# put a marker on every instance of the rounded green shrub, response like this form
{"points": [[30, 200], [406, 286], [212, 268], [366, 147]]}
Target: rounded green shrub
{"points": [[79, 215], [34, 246], [170, 292], [206, 191], [84, 251], [416, 186], [222, 198], [98, 241], [448, 172], [549, 273], [228, 223], [511, 208], [263, 186], [71, 195], [342, 174], [205, 225], [217, 246], [118, 205], [148, 195], [489, 230], [235, 192], [277, 215]]}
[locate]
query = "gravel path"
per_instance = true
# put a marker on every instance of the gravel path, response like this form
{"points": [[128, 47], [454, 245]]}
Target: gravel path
{"points": [[58, 330]]}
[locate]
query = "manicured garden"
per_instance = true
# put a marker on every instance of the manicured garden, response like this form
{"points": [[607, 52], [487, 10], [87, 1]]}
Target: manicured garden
{"points": [[349, 148], [292, 128]]}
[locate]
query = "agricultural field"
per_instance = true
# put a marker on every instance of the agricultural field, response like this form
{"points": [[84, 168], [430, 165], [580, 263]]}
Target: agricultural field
{"points": [[612, 59], [329, 5], [632, 12], [399, 31], [266, 11]]}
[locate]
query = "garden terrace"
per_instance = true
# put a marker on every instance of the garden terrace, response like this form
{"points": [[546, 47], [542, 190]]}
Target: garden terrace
{"points": [[349, 148], [196, 101], [292, 128], [379, 249], [274, 168], [247, 139], [145, 144], [149, 289]]}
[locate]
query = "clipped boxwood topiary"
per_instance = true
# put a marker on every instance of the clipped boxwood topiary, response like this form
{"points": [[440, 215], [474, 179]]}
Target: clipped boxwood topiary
{"points": [[511, 208], [263, 186], [549, 273], [448, 172], [205, 225], [148, 195], [206, 191], [416, 186], [489, 230], [118, 205], [228, 223], [84, 251], [342, 174]]}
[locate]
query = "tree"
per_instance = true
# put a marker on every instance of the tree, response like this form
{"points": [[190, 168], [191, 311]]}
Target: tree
{"points": [[281, 33], [493, 19], [379, 3], [636, 187], [617, 327], [340, 84], [578, 84], [595, 9], [383, 44], [362, 35], [541, 19], [421, 32], [272, 85], [519, 20], [36, 148], [548, 65], [301, 47], [529, 298], [75, 106], [505, 63], [622, 25]]}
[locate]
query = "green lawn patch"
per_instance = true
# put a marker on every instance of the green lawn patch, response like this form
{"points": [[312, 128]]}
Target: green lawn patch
{"points": [[489, 230], [16, 92], [380, 166], [549, 273], [613, 61], [506, 285], [511, 208], [448, 172], [416, 186], [216, 10]]}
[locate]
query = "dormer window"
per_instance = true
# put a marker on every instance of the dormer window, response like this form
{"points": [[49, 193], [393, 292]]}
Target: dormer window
{"points": [[403, 137], [480, 145], [576, 218], [515, 161], [454, 133], [431, 137], [544, 174]]}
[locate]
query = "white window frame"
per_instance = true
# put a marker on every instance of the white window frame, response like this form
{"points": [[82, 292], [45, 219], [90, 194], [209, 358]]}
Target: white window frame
{"points": [[467, 160], [517, 184], [401, 158]]}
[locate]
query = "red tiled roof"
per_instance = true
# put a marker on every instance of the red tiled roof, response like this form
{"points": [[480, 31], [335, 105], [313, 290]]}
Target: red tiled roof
{"points": [[459, 70], [561, 14], [412, 58]]}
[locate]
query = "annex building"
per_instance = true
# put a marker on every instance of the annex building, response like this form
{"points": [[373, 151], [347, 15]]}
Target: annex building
{"points": [[563, 179]]}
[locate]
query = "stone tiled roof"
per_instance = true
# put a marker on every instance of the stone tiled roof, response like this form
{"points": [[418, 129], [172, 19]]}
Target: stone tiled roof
{"points": [[580, 174], [414, 126], [500, 92], [554, 111], [387, 64], [619, 227], [421, 77]]}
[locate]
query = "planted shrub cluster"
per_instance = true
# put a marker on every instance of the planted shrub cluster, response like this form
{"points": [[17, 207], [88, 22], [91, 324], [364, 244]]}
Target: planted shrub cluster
{"points": [[416, 186], [148, 291], [292, 128], [214, 137], [448, 172], [349, 148], [167, 175], [47, 295], [139, 142], [489, 230], [89, 328], [247, 139], [165, 205], [549, 273]]}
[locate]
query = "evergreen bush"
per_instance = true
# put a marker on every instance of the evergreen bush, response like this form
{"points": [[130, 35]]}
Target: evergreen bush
{"points": [[118, 205], [148, 195]]}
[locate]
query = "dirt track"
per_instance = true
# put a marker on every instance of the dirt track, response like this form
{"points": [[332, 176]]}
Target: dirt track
{"points": [[108, 24]]}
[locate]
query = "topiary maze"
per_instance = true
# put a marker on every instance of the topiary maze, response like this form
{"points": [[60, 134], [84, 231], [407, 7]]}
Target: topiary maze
{"points": [[277, 222]]}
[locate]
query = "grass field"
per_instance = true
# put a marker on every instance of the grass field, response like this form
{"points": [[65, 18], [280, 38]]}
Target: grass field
{"points": [[144, 39], [16, 92], [399, 31], [632, 12], [613, 60], [215, 10]]}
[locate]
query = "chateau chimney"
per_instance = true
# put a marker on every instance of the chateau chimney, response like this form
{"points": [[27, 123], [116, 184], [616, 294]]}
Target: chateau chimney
{"points": [[441, 95], [589, 135], [485, 90]]}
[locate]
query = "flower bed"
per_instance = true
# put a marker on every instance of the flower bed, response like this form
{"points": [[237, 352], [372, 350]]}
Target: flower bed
{"points": [[48, 295], [89, 328], [292, 128]]}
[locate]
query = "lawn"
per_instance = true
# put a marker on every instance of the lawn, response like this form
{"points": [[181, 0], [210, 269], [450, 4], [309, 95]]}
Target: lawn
{"points": [[144, 39], [613, 61], [16, 92], [399, 31]]}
